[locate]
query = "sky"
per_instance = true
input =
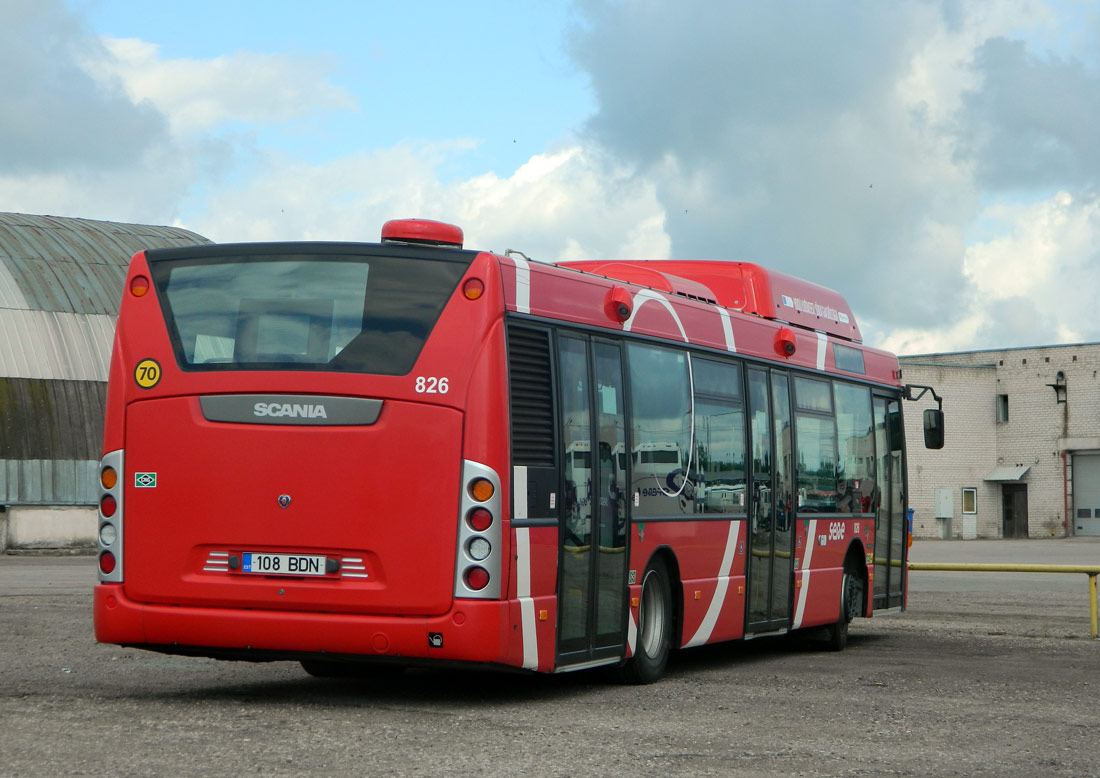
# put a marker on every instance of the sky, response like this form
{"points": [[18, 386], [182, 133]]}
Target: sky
{"points": [[935, 162]]}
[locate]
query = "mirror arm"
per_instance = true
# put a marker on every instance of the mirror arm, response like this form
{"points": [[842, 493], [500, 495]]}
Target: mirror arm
{"points": [[907, 393]]}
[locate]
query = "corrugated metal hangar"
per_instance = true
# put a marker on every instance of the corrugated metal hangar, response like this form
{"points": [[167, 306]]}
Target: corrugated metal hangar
{"points": [[61, 281]]}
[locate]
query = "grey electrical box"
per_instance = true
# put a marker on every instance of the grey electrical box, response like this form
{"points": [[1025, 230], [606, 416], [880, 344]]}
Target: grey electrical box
{"points": [[945, 504]]}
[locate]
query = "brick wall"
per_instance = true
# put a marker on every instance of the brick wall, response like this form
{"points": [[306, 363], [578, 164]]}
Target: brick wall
{"points": [[1038, 431]]}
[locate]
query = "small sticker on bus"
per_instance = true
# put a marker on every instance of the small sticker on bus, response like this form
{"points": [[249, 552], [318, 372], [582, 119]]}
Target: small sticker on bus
{"points": [[147, 373], [145, 480]]}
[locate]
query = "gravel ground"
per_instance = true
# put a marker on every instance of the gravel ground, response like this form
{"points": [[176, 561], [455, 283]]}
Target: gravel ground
{"points": [[972, 680]]}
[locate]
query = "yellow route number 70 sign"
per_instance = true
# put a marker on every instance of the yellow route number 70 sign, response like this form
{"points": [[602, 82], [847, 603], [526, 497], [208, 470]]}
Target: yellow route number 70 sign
{"points": [[147, 373]]}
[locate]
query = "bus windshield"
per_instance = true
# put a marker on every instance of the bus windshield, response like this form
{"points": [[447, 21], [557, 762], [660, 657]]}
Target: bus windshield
{"points": [[297, 311]]}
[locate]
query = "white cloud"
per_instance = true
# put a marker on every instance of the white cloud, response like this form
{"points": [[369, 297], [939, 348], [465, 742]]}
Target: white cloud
{"points": [[241, 87], [566, 204], [852, 144], [1034, 283], [861, 146]]}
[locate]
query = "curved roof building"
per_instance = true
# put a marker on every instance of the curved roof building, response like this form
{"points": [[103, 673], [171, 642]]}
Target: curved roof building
{"points": [[61, 282]]}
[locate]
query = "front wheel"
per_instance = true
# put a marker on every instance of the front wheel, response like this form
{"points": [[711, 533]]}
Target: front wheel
{"points": [[851, 599], [654, 639]]}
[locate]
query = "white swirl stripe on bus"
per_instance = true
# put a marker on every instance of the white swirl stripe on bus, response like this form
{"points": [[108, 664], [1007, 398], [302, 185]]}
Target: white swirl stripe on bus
{"points": [[822, 343], [644, 296], [526, 604], [811, 541], [631, 634], [727, 330], [706, 629], [523, 284]]}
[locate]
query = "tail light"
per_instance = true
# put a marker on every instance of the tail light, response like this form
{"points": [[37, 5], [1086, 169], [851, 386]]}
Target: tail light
{"points": [[478, 553], [477, 578], [111, 511]]}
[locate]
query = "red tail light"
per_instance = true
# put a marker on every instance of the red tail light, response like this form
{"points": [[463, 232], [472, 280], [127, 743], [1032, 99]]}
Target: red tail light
{"points": [[480, 520], [107, 563], [108, 506], [477, 578]]}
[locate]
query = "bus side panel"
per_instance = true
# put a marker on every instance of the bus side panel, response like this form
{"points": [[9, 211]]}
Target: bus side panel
{"points": [[822, 545], [710, 556], [714, 605], [534, 605]]}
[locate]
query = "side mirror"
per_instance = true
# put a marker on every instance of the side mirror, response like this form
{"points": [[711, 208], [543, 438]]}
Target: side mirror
{"points": [[933, 428]]}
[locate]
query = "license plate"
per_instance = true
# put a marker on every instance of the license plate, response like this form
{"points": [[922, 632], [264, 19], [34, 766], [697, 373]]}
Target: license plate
{"points": [[282, 564]]}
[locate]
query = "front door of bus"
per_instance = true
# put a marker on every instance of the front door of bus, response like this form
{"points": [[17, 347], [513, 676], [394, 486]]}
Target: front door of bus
{"points": [[890, 530], [771, 520], [592, 554]]}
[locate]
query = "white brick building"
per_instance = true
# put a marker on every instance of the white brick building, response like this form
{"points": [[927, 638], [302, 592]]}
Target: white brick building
{"points": [[1022, 449]]}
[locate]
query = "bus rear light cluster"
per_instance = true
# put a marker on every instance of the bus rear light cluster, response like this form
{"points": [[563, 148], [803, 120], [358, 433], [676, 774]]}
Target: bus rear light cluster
{"points": [[478, 552], [111, 512]]}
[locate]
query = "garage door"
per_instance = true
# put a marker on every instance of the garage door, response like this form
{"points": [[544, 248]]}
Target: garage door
{"points": [[1086, 494]]}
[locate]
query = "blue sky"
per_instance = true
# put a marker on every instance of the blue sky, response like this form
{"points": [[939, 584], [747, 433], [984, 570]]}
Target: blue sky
{"points": [[935, 161], [492, 72]]}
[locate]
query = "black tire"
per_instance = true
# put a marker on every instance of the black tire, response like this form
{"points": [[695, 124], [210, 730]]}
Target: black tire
{"points": [[655, 617], [327, 668], [851, 598]]}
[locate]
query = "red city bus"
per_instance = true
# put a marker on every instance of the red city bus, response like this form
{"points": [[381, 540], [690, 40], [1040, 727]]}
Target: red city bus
{"points": [[360, 455]]}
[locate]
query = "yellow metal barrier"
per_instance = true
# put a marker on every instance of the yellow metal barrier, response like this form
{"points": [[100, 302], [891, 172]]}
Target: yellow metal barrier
{"points": [[1090, 570]]}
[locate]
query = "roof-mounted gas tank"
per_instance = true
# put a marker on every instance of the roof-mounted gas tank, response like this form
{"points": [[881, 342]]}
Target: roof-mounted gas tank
{"points": [[740, 285], [424, 231]]}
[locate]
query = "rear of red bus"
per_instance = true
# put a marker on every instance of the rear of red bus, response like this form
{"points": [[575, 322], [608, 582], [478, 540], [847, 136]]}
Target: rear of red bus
{"points": [[303, 453]]}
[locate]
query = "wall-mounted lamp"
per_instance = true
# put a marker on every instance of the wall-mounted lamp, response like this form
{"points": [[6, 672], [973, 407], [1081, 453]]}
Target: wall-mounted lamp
{"points": [[1059, 387]]}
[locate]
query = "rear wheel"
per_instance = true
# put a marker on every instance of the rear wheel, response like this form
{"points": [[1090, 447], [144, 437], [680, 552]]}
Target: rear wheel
{"points": [[654, 639]]}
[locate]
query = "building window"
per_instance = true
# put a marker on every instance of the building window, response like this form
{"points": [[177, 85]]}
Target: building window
{"points": [[1002, 408], [970, 500]]}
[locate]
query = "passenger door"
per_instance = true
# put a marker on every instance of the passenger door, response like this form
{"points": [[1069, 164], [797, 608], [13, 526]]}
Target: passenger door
{"points": [[771, 526], [890, 518], [592, 553]]}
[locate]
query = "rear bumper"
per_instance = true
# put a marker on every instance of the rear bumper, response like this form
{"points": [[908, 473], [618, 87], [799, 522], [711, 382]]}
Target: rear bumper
{"points": [[473, 631]]}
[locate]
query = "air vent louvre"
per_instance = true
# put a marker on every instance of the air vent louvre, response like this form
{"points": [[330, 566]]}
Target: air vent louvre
{"points": [[531, 396]]}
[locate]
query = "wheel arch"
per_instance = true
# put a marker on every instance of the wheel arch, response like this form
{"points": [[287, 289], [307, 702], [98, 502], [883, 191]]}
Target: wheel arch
{"points": [[675, 583], [855, 559]]}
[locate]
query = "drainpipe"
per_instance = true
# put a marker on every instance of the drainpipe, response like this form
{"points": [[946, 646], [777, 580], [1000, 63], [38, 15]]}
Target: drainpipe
{"points": [[1065, 496]]}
